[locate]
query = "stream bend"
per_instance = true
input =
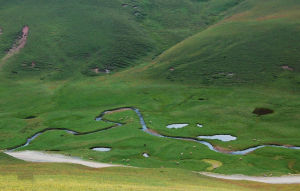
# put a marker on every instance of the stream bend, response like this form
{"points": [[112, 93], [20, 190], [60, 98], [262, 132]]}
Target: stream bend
{"points": [[146, 130]]}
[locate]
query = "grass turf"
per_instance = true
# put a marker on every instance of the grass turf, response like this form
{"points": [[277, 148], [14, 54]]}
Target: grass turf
{"points": [[75, 104], [19, 175], [250, 45], [72, 37]]}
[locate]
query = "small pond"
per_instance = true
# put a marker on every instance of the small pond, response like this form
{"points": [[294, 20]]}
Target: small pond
{"points": [[224, 138], [177, 126], [101, 149]]}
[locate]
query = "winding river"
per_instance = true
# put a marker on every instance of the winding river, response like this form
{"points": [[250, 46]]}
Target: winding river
{"points": [[146, 130]]}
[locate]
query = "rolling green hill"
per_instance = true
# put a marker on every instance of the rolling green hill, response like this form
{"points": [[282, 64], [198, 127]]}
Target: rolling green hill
{"points": [[70, 37], [258, 41]]}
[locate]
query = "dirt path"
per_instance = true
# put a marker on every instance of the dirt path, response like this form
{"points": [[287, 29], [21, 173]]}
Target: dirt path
{"points": [[19, 44], [292, 179], [118, 110], [35, 156]]}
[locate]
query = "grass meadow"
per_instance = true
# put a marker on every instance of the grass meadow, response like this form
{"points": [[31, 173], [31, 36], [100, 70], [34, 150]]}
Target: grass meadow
{"points": [[207, 62]]}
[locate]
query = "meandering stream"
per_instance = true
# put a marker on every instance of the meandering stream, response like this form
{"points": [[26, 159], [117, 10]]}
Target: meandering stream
{"points": [[148, 131]]}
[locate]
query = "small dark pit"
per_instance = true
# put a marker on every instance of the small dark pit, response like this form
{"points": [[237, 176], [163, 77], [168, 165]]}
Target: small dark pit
{"points": [[201, 99], [262, 111], [30, 117]]}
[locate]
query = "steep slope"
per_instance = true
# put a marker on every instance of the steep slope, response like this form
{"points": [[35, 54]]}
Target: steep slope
{"points": [[74, 36], [259, 41]]}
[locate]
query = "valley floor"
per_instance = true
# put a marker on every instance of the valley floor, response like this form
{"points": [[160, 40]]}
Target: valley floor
{"points": [[73, 109], [167, 88], [75, 104]]}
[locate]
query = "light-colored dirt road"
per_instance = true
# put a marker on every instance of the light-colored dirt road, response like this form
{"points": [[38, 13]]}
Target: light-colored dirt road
{"points": [[36, 156], [291, 179], [20, 43]]}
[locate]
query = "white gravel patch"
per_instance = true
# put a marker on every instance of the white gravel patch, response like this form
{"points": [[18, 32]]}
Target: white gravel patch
{"points": [[36, 156], [291, 179]]}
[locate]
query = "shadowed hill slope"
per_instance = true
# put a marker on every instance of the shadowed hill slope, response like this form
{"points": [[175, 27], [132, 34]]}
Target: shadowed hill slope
{"points": [[259, 41]]}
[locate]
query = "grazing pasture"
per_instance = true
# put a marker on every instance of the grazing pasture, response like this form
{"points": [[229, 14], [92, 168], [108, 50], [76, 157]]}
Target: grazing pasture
{"points": [[208, 77]]}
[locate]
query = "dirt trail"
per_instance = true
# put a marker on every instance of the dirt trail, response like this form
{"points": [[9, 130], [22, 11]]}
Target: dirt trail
{"points": [[35, 156], [292, 179], [118, 110], [19, 44]]}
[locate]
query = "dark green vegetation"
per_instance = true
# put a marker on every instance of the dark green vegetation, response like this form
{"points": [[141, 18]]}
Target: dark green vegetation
{"points": [[245, 56]]}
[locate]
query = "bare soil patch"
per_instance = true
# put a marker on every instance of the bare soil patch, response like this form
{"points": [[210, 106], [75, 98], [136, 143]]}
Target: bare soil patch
{"points": [[19, 44], [153, 132], [222, 149], [96, 70], [292, 179], [118, 110], [287, 68]]}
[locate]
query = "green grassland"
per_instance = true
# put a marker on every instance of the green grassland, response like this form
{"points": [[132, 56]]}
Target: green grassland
{"points": [[249, 46], [75, 104], [69, 38], [230, 66], [17, 175]]}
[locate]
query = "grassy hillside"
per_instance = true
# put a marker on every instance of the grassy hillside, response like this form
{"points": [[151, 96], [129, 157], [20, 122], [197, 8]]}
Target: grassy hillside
{"points": [[259, 41], [70, 37]]}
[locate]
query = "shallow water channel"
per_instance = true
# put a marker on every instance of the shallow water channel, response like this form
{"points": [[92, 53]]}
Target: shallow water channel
{"points": [[148, 131]]}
